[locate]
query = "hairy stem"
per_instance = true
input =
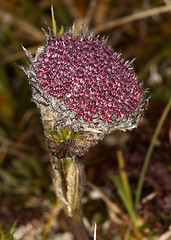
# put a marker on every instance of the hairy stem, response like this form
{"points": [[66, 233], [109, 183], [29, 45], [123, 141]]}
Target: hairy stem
{"points": [[69, 182]]}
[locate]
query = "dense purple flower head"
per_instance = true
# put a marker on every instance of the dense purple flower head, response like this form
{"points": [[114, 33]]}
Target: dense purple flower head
{"points": [[86, 83]]}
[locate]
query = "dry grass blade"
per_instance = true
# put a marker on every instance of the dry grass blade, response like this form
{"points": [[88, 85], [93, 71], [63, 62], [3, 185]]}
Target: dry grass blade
{"points": [[24, 26], [167, 2], [90, 11], [50, 219], [72, 9], [113, 207], [133, 17]]}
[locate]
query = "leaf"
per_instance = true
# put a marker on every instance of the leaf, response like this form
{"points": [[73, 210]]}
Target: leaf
{"points": [[8, 177], [65, 131], [7, 233], [78, 136], [125, 199], [60, 133], [36, 165], [53, 133], [53, 22], [3, 188], [21, 169], [61, 31]]}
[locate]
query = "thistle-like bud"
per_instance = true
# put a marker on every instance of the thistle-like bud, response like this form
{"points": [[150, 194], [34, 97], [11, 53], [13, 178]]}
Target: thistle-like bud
{"points": [[81, 83]]}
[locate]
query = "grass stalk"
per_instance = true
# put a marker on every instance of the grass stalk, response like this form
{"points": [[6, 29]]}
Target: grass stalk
{"points": [[52, 214], [123, 174], [123, 188], [149, 152]]}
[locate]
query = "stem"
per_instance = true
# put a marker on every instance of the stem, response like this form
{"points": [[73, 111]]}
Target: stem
{"points": [[69, 182], [123, 187], [123, 175], [77, 226], [149, 152]]}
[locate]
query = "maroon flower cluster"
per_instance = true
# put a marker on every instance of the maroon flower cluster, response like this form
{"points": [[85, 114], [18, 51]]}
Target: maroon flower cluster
{"points": [[86, 84], [89, 77]]}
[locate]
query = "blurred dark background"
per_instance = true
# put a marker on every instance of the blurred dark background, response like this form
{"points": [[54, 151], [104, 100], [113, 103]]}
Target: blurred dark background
{"points": [[26, 190]]}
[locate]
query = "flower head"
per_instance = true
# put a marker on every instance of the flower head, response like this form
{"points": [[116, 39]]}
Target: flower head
{"points": [[85, 84]]}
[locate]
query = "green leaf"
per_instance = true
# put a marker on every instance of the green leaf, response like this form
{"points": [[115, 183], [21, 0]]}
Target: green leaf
{"points": [[125, 199], [61, 31], [52, 133], [78, 136], [68, 161], [65, 132], [21, 169], [3, 188], [59, 131], [8, 177], [36, 166], [53, 22], [7, 233]]}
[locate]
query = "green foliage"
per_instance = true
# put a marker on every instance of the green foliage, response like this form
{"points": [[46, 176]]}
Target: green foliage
{"points": [[53, 22], [125, 197], [7, 233], [149, 152], [25, 179], [124, 189], [60, 135]]}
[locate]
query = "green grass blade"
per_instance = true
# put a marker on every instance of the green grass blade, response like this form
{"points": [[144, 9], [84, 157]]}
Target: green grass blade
{"points": [[125, 199], [149, 152]]}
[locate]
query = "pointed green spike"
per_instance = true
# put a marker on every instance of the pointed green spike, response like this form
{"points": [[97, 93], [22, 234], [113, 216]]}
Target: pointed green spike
{"points": [[61, 31], [73, 27], [53, 22]]}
